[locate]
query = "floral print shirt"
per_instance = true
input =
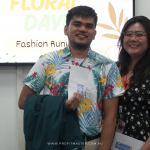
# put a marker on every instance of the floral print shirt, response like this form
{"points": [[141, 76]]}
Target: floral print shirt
{"points": [[51, 74]]}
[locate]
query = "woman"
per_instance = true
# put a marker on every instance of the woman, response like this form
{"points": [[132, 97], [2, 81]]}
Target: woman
{"points": [[134, 65]]}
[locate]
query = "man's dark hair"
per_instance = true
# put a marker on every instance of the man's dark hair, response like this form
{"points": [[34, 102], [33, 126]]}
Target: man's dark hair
{"points": [[141, 70], [83, 11]]}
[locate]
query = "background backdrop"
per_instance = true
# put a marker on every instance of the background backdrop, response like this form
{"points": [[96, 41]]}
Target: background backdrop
{"points": [[11, 135], [30, 28]]}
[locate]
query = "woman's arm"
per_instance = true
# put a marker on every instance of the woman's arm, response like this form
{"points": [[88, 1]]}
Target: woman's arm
{"points": [[146, 146]]}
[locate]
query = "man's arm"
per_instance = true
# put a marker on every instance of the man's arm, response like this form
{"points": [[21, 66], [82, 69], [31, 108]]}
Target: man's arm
{"points": [[110, 115], [70, 105], [26, 91]]}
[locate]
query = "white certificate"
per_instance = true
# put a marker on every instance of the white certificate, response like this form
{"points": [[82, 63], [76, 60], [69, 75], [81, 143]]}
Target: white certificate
{"points": [[77, 80], [124, 142]]}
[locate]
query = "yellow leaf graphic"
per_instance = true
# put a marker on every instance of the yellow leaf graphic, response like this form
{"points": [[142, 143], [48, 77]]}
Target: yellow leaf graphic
{"points": [[126, 20], [112, 13], [105, 26], [120, 18], [111, 36]]}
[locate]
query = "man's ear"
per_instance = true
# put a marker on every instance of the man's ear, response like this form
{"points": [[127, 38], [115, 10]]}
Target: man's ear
{"points": [[95, 35], [65, 29]]}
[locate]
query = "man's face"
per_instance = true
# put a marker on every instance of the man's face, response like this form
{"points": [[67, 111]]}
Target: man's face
{"points": [[80, 32]]}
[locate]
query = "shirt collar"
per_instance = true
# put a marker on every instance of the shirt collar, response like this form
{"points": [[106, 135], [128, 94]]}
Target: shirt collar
{"points": [[66, 52]]}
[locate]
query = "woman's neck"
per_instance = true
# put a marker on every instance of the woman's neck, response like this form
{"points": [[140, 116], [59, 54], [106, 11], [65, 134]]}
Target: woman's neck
{"points": [[133, 62]]}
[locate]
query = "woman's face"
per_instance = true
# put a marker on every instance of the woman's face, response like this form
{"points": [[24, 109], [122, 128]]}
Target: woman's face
{"points": [[135, 45]]}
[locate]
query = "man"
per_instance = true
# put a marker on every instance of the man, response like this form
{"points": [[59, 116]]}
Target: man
{"points": [[51, 73]]}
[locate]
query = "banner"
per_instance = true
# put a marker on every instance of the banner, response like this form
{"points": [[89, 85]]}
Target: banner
{"points": [[31, 28]]}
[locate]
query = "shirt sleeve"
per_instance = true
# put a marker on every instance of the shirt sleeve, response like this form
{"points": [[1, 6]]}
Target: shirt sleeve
{"points": [[36, 77], [114, 85]]}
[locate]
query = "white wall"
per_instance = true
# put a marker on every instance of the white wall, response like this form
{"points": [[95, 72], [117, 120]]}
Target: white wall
{"points": [[8, 113], [10, 77], [11, 117], [142, 7]]}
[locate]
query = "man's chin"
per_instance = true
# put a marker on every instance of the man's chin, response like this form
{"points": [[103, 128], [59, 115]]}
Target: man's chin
{"points": [[81, 46]]}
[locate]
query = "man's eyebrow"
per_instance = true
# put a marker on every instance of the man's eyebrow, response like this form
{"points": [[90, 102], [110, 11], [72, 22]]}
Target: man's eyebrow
{"points": [[89, 24], [76, 21]]}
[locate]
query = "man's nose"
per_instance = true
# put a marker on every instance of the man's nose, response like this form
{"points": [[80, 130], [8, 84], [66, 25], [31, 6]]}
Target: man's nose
{"points": [[82, 28]]}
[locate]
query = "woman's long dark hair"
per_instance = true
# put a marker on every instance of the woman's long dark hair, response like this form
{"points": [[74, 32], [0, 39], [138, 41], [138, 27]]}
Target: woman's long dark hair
{"points": [[141, 70]]}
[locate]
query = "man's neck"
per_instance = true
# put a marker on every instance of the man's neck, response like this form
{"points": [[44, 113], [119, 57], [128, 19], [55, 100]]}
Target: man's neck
{"points": [[78, 53]]}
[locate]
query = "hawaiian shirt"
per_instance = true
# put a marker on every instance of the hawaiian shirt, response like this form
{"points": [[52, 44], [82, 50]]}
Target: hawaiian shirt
{"points": [[51, 74]]}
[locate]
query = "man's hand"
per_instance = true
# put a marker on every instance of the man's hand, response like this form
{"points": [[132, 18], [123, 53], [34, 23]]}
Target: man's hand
{"points": [[73, 103]]}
